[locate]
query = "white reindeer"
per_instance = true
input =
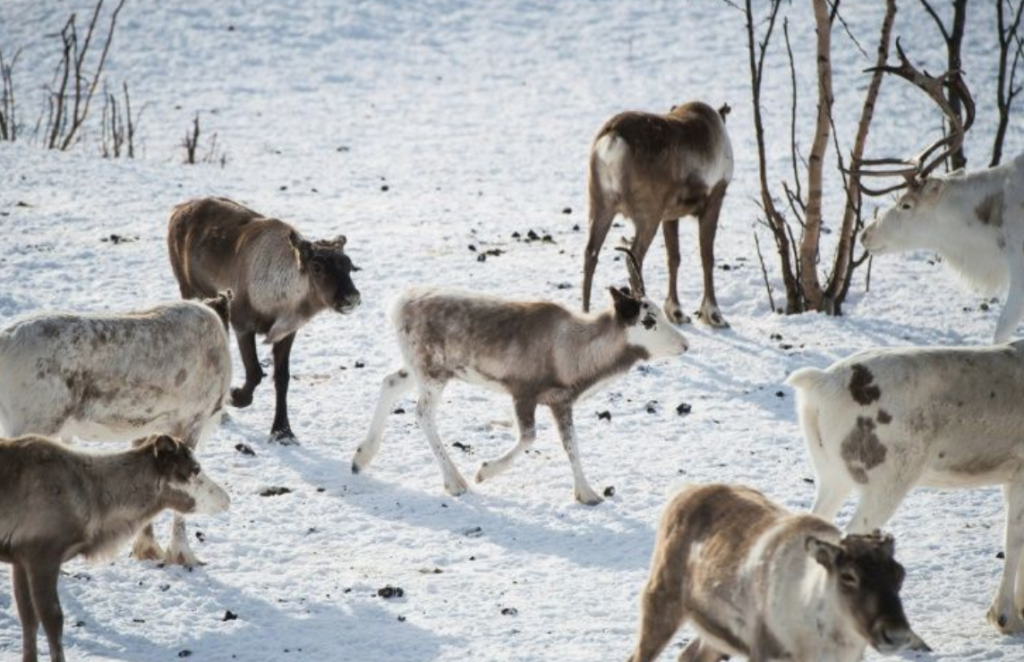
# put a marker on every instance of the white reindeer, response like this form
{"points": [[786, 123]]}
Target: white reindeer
{"points": [[755, 580], [883, 421], [538, 352], [975, 220], [119, 377]]}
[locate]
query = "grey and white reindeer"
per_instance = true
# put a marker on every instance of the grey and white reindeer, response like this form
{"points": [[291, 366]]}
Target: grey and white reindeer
{"points": [[118, 377], [540, 353]]}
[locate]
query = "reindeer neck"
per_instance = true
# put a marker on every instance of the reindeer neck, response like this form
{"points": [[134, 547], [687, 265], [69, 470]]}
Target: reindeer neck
{"points": [[599, 352], [125, 483]]}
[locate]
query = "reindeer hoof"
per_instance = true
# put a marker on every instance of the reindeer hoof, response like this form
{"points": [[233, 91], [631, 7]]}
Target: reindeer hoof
{"points": [[589, 498], [285, 437], [713, 318], [1006, 622], [675, 313], [240, 398], [147, 551], [456, 486]]}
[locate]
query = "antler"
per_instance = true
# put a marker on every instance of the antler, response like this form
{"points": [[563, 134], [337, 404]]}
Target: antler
{"points": [[919, 167], [636, 280]]}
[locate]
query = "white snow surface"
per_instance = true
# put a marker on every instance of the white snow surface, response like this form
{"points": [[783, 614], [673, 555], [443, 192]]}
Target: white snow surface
{"points": [[478, 117]]}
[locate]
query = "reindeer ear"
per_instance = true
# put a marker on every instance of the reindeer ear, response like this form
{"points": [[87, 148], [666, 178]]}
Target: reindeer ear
{"points": [[164, 445], [627, 308], [340, 241], [825, 553], [933, 187], [302, 248], [723, 111]]}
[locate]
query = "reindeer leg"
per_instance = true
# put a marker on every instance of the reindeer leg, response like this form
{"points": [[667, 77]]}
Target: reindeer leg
{"points": [[394, 386], [426, 412], [1014, 308], [525, 410], [26, 612], [601, 216], [1003, 614], [145, 547], [662, 613], [708, 220], [281, 430], [670, 230], [829, 498], [42, 578], [699, 650], [242, 397], [563, 417]]}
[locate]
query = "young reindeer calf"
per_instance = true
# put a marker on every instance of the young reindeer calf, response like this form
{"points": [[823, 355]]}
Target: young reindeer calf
{"points": [[537, 352], [57, 503], [758, 581]]}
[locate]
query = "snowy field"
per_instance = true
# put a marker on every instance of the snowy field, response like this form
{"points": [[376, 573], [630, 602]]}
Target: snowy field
{"points": [[477, 118]]}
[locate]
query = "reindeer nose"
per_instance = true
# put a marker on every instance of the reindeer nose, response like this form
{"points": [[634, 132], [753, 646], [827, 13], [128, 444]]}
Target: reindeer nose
{"points": [[890, 637]]}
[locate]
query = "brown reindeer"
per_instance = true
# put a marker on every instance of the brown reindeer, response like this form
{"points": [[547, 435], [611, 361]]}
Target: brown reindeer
{"points": [[757, 581], [280, 281], [57, 503], [655, 169]]}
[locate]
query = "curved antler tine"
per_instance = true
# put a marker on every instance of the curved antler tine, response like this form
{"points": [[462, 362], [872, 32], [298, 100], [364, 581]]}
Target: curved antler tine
{"points": [[636, 280], [882, 191]]}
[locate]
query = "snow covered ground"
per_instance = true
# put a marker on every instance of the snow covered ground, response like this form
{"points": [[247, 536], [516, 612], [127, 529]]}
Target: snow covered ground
{"points": [[477, 118]]}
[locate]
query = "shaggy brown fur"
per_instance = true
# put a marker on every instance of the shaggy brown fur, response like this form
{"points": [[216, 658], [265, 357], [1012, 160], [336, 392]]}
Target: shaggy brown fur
{"points": [[280, 281]]}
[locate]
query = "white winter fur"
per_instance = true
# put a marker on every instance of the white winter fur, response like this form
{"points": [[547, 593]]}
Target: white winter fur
{"points": [[117, 378], [945, 417], [975, 221]]}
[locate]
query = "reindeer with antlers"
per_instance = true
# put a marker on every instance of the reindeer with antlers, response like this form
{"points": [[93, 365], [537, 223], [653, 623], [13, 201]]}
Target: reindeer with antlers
{"points": [[974, 220], [540, 353]]}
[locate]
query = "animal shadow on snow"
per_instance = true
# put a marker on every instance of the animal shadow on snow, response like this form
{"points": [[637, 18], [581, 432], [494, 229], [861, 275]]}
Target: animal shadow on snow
{"points": [[623, 542], [316, 630]]}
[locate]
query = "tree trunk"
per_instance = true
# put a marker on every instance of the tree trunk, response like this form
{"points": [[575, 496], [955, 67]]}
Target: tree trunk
{"points": [[842, 269], [812, 229]]}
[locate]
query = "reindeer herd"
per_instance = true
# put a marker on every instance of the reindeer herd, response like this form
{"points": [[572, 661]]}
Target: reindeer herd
{"points": [[750, 577]]}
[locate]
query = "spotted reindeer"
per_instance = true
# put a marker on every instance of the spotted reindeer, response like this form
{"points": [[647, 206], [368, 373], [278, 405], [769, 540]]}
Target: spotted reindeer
{"points": [[883, 421]]}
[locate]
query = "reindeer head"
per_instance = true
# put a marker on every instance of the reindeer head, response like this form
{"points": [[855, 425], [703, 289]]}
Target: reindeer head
{"points": [[910, 223], [329, 270], [647, 326], [186, 488], [867, 580]]}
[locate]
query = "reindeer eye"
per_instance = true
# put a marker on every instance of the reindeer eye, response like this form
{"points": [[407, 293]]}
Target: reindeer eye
{"points": [[905, 206], [849, 578]]}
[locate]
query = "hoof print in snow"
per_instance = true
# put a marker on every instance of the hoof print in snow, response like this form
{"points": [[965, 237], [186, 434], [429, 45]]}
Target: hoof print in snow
{"points": [[230, 616], [609, 491], [245, 449], [389, 592], [472, 532], [684, 408], [509, 611], [275, 491], [465, 448], [604, 415], [185, 653]]}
